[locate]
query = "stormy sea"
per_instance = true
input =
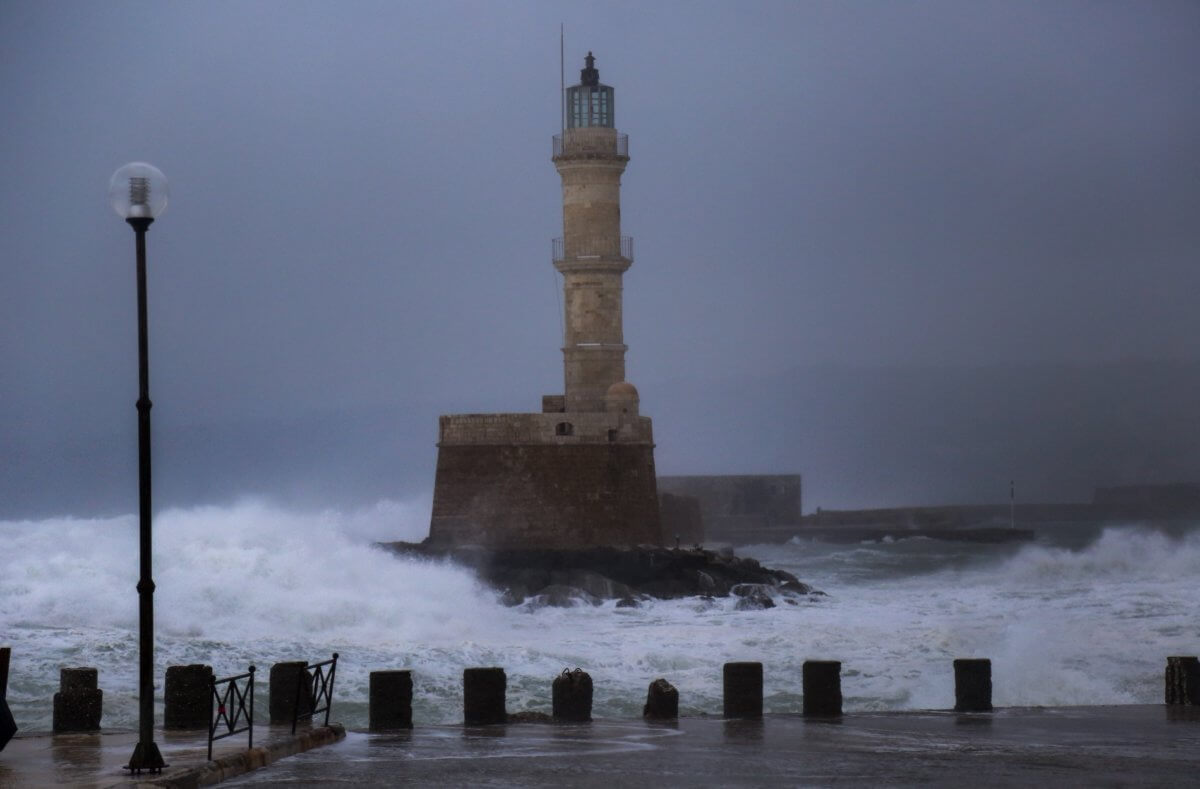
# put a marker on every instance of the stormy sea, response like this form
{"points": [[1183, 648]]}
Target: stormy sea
{"points": [[1085, 614]]}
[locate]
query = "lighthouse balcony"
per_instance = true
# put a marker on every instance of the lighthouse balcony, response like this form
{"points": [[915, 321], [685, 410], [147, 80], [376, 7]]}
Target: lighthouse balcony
{"points": [[585, 249], [591, 143]]}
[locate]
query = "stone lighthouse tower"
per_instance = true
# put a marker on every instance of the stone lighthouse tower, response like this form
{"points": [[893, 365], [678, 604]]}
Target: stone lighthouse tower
{"points": [[591, 255], [581, 472]]}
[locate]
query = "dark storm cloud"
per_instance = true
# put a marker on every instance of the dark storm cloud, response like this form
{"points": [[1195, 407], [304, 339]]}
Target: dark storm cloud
{"points": [[362, 202]]}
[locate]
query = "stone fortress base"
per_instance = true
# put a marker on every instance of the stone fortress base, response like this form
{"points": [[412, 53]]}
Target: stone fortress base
{"points": [[550, 480]]}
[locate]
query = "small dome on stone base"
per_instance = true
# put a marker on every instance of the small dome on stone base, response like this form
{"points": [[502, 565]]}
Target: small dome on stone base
{"points": [[621, 390], [622, 398]]}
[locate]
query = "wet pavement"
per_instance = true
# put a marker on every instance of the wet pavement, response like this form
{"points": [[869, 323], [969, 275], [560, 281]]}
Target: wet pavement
{"points": [[1146, 745], [95, 760]]}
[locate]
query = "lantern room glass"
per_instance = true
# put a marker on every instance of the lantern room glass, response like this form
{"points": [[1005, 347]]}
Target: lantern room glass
{"points": [[590, 105]]}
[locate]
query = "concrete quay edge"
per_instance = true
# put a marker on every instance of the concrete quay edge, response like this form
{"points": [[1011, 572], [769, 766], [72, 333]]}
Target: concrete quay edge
{"points": [[236, 764]]}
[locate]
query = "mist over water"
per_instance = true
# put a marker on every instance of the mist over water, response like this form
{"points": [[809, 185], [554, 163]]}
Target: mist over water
{"points": [[1084, 617]]}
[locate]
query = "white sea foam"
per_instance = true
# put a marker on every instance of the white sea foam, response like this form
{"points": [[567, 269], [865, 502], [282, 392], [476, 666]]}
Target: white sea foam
{"points": [[253, 583]]}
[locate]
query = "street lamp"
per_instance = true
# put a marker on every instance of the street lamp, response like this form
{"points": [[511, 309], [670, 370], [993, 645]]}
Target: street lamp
{"points": [[138, 193]]}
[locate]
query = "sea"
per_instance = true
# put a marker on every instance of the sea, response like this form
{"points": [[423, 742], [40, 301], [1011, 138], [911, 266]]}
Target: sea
{"points": [[1084, 614]]}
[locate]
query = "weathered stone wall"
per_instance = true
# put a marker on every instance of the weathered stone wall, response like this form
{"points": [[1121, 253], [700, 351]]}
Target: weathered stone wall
{"points": [[592, 264], [1155, 501], [545, 495], [591, 186], [681, 519], [589, 372], [735, 507], [551, 428]]}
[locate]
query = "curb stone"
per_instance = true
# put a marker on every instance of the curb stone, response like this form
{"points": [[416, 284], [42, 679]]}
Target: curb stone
{"points": [[239, 763]]}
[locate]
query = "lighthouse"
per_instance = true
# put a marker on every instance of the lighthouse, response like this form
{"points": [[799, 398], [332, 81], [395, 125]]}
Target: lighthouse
{"points": [[579, 473], [591, 255]]}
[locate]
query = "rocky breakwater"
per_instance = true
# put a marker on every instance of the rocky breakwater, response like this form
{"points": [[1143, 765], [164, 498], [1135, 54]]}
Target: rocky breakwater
{"points": [[629, 575]]}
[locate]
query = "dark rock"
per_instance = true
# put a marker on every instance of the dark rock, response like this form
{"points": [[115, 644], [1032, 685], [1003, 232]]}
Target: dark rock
{"points": [[704, 582], [756, 600], [529, 716], [597, 585], [662, 701], [539, 576], [514, 595], [556, 596], [628, 602], [754, 597], [668, 589], [530, 578]]}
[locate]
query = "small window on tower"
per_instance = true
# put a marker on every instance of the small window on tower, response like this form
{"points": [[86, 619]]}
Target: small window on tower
{"points": [[564, 429]]}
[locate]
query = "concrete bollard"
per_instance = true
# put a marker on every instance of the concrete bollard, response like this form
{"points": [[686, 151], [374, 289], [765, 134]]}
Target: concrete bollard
{"points": [[743, 690], [187, 697], [572, 696], [662, 701], [1183, 681], [281, 691], [973, 685], [70, 679], [483, 696], [822, 687], [390, 700], [79, 703]]}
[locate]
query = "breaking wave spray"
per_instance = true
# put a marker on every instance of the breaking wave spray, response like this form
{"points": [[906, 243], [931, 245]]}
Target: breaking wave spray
{"points": [[253, 583]]}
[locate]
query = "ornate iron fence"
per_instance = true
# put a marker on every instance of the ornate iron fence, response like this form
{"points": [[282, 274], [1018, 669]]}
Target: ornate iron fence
{"points": [[229, 710], [320, 690]]}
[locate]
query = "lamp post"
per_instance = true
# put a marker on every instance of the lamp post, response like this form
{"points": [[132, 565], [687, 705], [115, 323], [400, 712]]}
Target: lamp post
{"points": [[138, 193]]}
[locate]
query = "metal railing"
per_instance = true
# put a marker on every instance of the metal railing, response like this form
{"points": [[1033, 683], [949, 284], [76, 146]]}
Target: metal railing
{"points": [[229, 710], [592, 248], [320, 689], [591, 145]]}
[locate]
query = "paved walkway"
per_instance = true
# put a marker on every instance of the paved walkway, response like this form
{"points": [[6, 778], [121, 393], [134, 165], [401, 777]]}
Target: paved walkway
{"points": [[1150, 745], [1077, 746], [94, 761]]}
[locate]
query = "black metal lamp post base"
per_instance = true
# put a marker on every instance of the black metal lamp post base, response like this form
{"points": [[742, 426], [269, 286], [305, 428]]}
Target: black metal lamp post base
{"points": [[146, 759]]}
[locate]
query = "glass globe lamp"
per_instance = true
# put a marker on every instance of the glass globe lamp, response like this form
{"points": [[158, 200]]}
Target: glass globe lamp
{"points": [[138, 191]]}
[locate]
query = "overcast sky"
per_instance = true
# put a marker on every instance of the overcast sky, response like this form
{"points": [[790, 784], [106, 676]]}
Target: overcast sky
{"points": [[362, 201]]}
